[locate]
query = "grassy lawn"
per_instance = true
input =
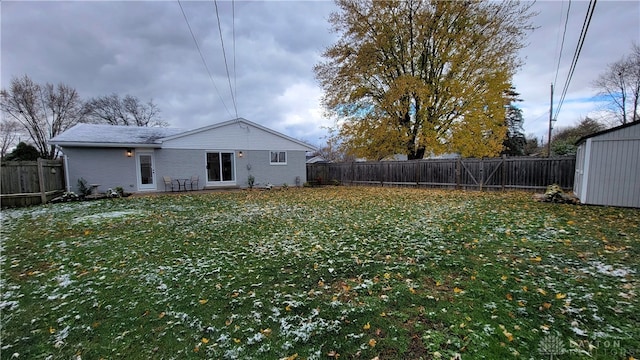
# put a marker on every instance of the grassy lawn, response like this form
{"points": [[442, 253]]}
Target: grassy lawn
{"points": [[319, 274]]}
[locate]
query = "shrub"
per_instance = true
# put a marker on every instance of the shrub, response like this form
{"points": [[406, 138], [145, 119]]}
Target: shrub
{"points": [[83, 188]]}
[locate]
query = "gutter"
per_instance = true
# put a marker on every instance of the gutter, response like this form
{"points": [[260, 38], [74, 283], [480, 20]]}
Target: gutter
{"points": [[107, 145]]}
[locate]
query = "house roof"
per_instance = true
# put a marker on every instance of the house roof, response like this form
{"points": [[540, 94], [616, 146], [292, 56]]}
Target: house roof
{"points": [[113, 136], [584, 138], [93, 135], [240, 121]]}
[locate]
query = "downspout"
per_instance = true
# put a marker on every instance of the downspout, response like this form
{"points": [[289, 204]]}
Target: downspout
{"points": [[65, 161]]}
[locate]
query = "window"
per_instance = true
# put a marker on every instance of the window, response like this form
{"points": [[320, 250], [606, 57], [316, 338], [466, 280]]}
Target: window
{"points": [[278, 158]]}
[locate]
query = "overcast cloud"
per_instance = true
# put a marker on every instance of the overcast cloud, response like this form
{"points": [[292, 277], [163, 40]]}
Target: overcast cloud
{"points": [[144, 48]]}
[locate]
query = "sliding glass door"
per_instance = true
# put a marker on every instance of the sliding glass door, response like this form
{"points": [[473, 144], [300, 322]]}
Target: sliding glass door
{"points": [[220, 168]]}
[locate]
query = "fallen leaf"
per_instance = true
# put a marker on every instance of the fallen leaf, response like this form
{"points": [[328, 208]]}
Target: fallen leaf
{"points": [[204, 340], [509, 296], [203, 301], [372, 342], [367, 326], [560, 296], [541, 291]]}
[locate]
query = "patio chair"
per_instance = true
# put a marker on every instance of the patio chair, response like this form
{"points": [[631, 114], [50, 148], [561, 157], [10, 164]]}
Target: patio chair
{"points": [[194, 180], [168, 183]]}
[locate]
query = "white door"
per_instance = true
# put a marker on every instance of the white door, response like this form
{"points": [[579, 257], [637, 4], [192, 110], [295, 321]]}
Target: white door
{"points": [[146, 171]]}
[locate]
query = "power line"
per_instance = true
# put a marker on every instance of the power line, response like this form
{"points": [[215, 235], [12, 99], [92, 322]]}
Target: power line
{"points": [[566, 22], [576, 55], [224, 55], [233, 36], [203, 60]]}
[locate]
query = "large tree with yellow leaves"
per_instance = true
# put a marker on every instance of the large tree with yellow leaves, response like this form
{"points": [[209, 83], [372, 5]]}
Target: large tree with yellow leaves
{"points": [[419, 77]]}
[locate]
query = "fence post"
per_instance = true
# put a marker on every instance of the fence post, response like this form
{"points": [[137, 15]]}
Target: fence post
{"points": [[458, 163], [481, 173], [43, 189], [504, 171]]}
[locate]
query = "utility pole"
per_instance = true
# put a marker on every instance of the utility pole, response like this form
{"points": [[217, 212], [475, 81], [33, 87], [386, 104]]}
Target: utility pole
{"points": [[550, 124]]}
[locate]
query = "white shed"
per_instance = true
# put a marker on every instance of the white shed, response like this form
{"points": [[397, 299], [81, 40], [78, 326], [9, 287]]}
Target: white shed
{"points": [[608, 167]]}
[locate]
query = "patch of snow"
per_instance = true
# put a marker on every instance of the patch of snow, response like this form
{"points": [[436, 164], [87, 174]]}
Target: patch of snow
{"points": [[11, 305], [106, 215], [578, 331], [606, 269], [64, 280]]}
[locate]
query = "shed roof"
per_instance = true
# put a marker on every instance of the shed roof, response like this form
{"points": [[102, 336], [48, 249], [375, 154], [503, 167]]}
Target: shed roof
{"points": [[584, 138]]}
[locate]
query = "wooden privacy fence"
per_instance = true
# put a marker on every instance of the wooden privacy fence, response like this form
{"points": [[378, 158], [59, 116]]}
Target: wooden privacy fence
{"points": [[527, 173], [27, 183]]}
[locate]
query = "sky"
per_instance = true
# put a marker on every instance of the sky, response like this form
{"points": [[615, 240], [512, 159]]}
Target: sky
{"points": [[145, 49]]}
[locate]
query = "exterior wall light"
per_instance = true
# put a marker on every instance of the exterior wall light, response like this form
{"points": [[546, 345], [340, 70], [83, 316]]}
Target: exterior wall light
{"points": [[129, 152], [240, 154]]}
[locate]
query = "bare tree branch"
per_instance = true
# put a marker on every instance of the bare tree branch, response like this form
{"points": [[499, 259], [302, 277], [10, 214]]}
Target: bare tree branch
{"points": [[43, 111], [9, 130], [127, 111], [620, 84]]}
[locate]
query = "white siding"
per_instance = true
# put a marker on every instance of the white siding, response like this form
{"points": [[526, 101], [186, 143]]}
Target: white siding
{"points": [[610, 168], [239, 135], [614, 173]]}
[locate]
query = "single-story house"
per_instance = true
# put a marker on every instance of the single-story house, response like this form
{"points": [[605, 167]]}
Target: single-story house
{"points": [[608, 167], [139, 159]]}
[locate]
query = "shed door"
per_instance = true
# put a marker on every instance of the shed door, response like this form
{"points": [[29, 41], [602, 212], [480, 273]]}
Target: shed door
{"points": [[146, 172]]}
